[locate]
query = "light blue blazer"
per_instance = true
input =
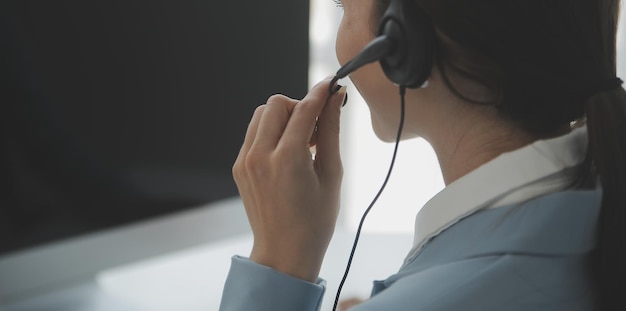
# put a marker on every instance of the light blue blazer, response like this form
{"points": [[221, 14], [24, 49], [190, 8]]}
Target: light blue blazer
{"points": [[529, 256]]}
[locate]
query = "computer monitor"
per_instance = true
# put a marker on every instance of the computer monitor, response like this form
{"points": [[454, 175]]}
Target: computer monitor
{"points": [[120, 123]]}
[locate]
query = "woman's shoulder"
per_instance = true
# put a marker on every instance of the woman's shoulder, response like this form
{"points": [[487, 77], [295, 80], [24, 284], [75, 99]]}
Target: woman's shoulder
{"points": [[495, 282], [527, 256], [557, 224]]}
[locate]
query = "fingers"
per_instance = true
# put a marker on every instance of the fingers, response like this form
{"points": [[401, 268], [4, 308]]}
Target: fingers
{"points": [[327, 155], [292, 125], [238, 171], [252, 129], [273, 122], [301, 125], [264, 130]]}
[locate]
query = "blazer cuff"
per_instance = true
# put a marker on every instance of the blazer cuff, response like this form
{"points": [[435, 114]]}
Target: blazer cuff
{"points": [[251, 286]]}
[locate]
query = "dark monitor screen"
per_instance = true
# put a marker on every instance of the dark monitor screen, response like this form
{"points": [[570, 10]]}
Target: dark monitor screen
{"points": [[120, 110]]}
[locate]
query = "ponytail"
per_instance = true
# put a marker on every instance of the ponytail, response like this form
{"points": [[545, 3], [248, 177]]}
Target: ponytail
{"points": [[606, 123]]}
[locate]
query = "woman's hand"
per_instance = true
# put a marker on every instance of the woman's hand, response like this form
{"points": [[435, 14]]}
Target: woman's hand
{"points": [[291, 198]]}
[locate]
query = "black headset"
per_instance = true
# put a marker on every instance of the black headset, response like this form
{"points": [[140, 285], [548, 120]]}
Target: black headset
{"points": [[404, 46]]}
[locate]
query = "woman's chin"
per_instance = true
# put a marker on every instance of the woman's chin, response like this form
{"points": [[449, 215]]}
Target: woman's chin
{"points": [[390, 134], [385, 134]]}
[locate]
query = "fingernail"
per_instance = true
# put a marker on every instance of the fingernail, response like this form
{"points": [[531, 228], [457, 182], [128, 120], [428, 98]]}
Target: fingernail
{"points": [[342, 91], [337, 88]]}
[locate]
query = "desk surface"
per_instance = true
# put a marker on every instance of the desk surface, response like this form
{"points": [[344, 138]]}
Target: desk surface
{"points": [[192, 279]]}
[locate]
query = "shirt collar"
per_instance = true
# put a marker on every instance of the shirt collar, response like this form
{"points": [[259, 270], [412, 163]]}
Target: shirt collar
{"points": [[545, 166]]}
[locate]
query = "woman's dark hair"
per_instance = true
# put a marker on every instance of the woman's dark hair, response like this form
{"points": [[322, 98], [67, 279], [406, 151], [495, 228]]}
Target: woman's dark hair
{"points": [[546, 63]]}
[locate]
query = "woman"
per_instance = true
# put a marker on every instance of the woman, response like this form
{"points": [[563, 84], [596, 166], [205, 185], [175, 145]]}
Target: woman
{"points": [[528, 121]]}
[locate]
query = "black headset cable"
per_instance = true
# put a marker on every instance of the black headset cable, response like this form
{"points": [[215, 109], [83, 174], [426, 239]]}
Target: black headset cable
{"points": [[380, 191]]}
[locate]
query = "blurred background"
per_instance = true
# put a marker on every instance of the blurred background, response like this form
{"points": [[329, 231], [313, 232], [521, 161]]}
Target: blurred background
{"points": [[122, 119], [118, 111]]}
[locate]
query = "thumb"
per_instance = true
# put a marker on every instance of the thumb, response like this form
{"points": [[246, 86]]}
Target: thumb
{"points": [[327, 157]]}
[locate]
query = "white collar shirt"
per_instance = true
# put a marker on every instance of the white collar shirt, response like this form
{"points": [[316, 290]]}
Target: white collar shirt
{"points": [[543, 167]]}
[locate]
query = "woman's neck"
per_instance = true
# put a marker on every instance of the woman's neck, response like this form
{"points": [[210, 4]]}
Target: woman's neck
{"points": [[474, 140]]}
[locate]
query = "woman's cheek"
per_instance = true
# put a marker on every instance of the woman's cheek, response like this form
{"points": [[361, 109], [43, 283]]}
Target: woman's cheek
{"points": [[343, 44]]}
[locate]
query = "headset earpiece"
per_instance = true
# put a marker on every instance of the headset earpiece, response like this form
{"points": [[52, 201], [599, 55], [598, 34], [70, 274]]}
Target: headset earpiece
{"points": [[410, 62]]}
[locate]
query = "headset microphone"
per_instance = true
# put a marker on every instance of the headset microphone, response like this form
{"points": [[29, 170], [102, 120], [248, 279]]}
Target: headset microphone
{"points": [[375, 50]]}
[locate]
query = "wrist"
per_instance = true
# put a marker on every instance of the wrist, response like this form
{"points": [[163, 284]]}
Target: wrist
{"points": [[294, 263]]}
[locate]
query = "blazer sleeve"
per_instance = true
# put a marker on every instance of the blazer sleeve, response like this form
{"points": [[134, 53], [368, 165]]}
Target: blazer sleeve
{"points": [[251, 286]]}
